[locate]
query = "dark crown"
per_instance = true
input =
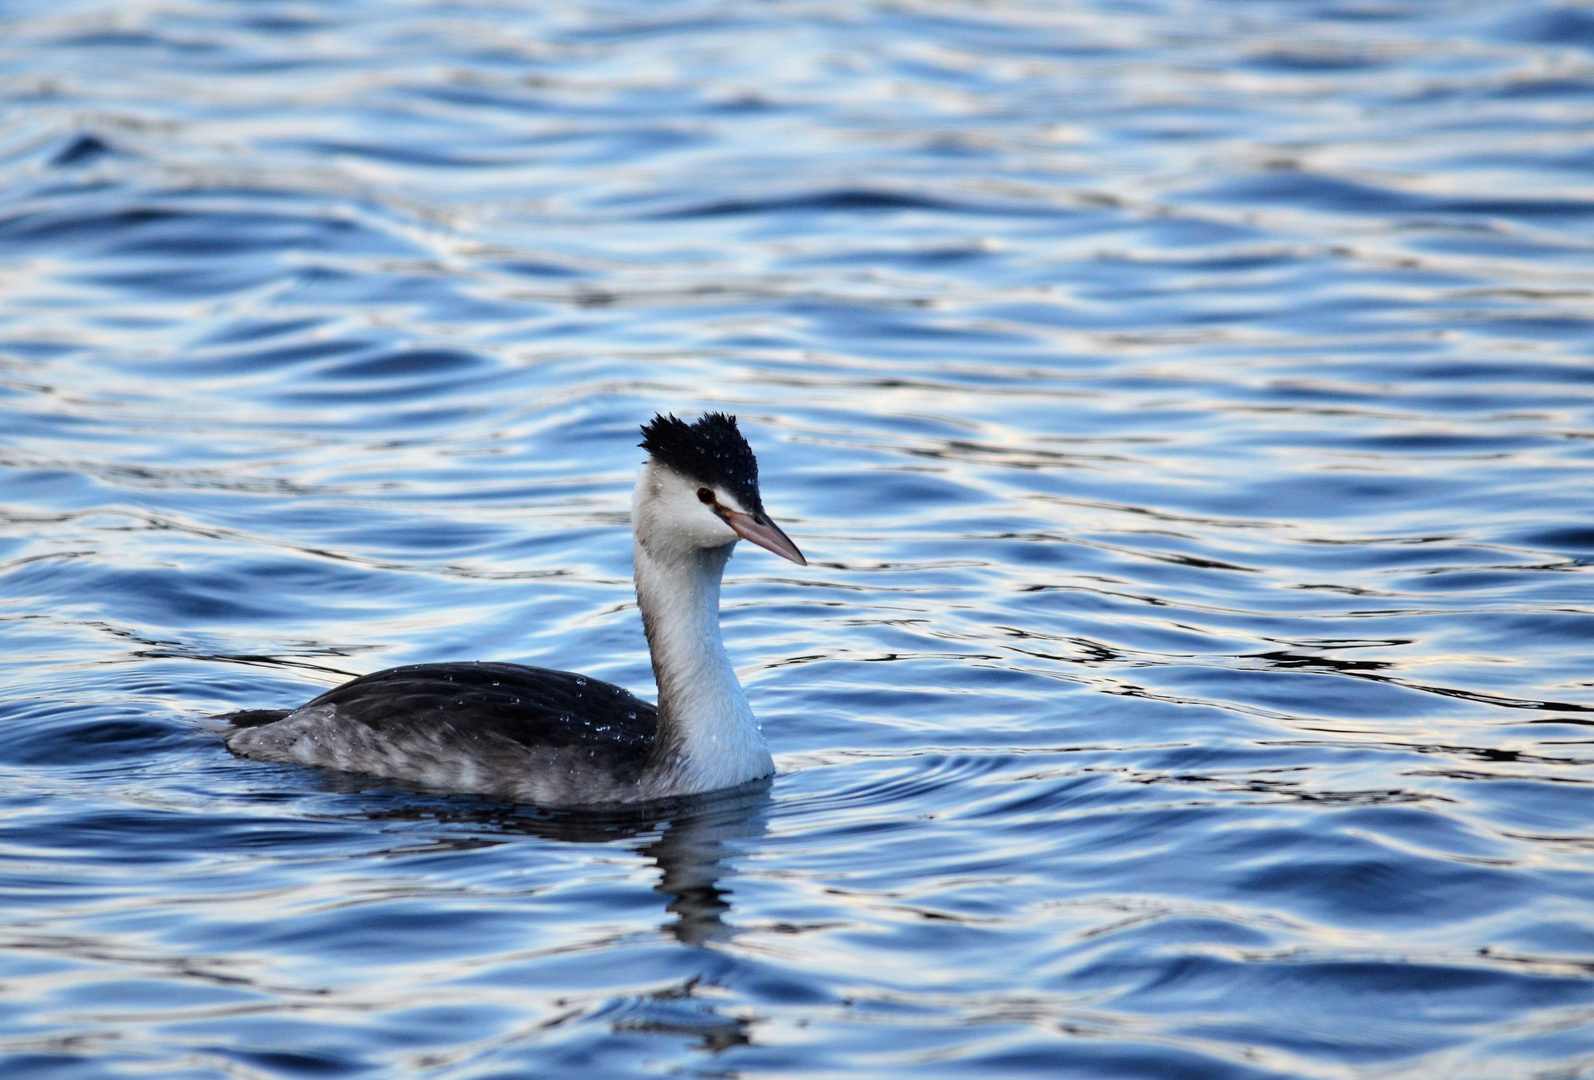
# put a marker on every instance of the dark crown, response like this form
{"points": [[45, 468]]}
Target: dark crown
{"points": [[710, 451]]}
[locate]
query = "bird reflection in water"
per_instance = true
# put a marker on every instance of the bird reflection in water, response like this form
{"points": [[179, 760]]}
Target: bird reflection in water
{"points": [[693, 842], [691, 852], [696, 835]]}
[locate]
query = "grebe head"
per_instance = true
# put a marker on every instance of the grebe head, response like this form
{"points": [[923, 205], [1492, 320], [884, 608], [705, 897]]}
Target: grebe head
{"points": [[699, 490]]}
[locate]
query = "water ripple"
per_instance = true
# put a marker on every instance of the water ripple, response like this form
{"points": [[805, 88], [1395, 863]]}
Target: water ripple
{"points": [[1191, 676]]}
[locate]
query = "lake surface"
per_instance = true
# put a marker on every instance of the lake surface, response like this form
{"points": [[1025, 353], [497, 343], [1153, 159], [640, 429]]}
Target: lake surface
{"points": [[1187, 408]]}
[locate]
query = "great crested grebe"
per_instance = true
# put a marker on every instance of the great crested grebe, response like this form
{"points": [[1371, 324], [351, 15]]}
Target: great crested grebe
{"points": [[554, 738]]}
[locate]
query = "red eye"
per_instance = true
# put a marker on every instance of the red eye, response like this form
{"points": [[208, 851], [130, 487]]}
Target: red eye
{"points": [[705, 495]]}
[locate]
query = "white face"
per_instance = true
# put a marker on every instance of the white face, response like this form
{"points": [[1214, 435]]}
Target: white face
{"points": [[669, 515]]}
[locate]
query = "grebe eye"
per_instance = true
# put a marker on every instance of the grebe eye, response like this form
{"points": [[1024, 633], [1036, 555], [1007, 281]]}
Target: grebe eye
{"points": [[704, 495]]}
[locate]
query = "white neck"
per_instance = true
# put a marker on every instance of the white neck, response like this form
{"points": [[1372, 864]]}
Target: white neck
{"points": [[707, 737]]}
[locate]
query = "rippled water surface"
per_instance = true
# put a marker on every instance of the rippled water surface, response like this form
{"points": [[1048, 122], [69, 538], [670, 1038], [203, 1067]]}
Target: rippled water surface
{"points": [[1187, 407]]}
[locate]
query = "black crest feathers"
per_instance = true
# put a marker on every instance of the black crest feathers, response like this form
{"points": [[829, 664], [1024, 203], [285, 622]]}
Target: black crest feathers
{"points": [[710, 451]]}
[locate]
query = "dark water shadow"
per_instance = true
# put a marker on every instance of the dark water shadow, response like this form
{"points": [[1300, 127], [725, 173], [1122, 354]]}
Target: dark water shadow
{"points": [[691, 840]]}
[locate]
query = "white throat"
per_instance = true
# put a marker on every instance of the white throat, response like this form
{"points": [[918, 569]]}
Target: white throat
{"points": [[707, 737]]}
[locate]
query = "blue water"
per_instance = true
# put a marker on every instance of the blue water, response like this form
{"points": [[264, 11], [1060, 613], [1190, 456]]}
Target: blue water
{"points": [[1187, 407]]}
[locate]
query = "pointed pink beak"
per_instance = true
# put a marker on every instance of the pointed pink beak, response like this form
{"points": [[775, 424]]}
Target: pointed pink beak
{"points": [[766, 534]]}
